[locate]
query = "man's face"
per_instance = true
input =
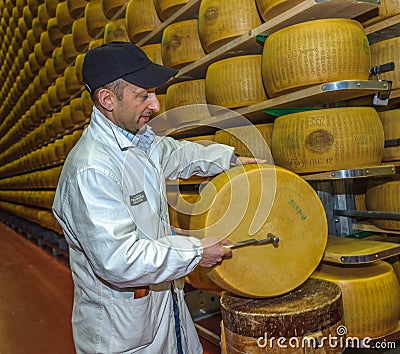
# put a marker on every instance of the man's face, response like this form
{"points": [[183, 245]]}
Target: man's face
{"points": [[136, 107]]}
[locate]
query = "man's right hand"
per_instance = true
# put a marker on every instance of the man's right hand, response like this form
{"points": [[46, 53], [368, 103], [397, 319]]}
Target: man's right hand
{"points": [[214, 251]]}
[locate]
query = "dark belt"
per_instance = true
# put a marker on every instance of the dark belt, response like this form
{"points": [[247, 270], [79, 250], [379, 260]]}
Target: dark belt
{"points": [[141, 291]]}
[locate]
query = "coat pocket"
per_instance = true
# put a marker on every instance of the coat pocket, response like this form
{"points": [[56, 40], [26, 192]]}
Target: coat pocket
{"points": [[133, 324]]}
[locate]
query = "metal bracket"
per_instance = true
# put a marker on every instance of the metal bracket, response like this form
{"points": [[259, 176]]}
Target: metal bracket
{"points": [[392, 142]]}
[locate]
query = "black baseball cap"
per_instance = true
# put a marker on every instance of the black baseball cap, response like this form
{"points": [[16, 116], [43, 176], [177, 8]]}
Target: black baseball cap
{"points": [[122, 60]]}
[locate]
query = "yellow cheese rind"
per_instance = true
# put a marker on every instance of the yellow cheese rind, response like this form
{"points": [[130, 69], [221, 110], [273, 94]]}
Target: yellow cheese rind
{"points": [[370, 297], [328, 139], [384, 195], [235, 82], [251, 140], [272, 8], [180, 44], [315, 52], [166, 8], [220, 21], [230, 206]]}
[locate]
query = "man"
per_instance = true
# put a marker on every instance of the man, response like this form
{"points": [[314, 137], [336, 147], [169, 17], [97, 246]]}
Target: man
{"points": [[126, 265]]}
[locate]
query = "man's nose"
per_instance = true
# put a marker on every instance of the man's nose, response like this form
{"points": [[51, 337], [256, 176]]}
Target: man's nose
{"points": [[154, 104]]}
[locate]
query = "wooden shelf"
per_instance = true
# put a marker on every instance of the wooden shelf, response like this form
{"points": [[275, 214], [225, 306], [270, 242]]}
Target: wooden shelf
{"points": [[384, 29], [364, 226]]}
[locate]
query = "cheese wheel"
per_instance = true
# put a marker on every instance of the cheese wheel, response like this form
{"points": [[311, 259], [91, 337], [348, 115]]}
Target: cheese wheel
{"points": [[251, 140], [64, 18], [51, 72], [66, 119], [220, 21], [77, 110], [61, 89], [95, 18], [40, 22], [76, 8], [235, 82], [55, 33], [115, 31], [186, 102], [384, 52], [387, 8], [51, 6], [80, 34], [204, 140], [180, 44], [96, 43], [370, 297], [153, 52], [230, 207], [383, 195], [272, 8], [68, 48], [47, 45], [72, 84], [328, 139], [78, 67], [166, 8], [315, 52], [391, 127], [199, 279], [44, 80], [59, 61], [293, 323], [112, 8], [141, 18]]}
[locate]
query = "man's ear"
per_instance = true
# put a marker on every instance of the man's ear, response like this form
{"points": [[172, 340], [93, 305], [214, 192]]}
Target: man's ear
{"points": [[106, 99]]}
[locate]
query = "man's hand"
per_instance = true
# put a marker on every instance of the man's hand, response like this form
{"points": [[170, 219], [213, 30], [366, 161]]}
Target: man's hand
{"points": [[214, 251], [243, 160]]}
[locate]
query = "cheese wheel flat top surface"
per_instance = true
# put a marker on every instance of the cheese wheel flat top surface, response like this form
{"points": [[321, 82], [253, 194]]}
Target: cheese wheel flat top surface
{"points": [[252, 201], [313, 306]]}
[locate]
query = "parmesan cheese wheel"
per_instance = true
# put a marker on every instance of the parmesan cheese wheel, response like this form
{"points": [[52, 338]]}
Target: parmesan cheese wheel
{"points": [[384, 195], [72, 84], [153, 52], [77, 110], [315, 52], [190, 97], [199, 279], [328, 139], [61, 90], [96, 43], [204, 140], [220, 21], [235, 82], [51, 72], [251, 140], [47, 45], [55, 33], [78, 67], [80, 34], [384, 52], [115, 31], [272, 8], [166, 8], [76, 8], [95, 18], [391, 127], [180, 44], [68, 48], [370, 297], [293, 323], [59, 61], [291, 210], [112, 8], [141, 18], [64, 18]]}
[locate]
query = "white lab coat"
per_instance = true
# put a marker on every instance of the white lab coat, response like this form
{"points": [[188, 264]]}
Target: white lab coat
{"points": [[111, 203]]}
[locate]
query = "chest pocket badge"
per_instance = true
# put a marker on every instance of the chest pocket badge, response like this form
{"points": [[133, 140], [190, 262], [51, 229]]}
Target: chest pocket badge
{"points": [[137, 198]]}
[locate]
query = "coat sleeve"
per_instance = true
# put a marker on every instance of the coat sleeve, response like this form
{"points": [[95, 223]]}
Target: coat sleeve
{"points": [[100, 225], [182, 159]]}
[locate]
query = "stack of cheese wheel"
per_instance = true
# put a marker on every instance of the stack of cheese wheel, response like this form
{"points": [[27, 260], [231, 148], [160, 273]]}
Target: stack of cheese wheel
{"points": [[384, 195], [272, 8], [250, 140], [180, 44], [140, 19], [328, 139], [114, 8], [384, 52], [293, 323], [371, 296], [185, 102], [255, 201], [153, 52], [64, 18], [166, 8], [391, 127], [235, 82], [115, 31], [315, 52], [220, 21]]}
